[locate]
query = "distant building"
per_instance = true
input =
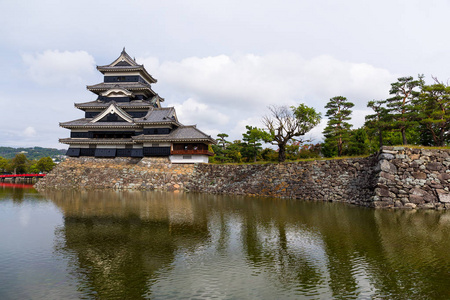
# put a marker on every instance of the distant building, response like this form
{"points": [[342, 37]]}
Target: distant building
{"points": [[127, 120]]}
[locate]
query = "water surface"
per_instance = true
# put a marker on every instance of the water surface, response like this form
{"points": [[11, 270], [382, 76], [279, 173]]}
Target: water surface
{"points": [[155, 245]]}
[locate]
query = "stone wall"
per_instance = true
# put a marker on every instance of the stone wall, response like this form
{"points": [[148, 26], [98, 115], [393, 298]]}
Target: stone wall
{"points": [[344, 180], [117, 173], [395, 177], [412, 178]]}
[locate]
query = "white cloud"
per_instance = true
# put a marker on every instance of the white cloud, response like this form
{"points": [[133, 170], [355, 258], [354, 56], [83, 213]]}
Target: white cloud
{"points": [[191, 111], [29, 132], [222, 93], [55, 67]]}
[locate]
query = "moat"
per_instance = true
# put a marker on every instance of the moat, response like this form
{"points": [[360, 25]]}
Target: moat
{"points": [[172, 245]]}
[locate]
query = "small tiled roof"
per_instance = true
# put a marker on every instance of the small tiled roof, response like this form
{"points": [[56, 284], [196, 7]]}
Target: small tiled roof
{"points": [[164, 115], [180, 134], [96, 141], [101, 104], [131, 86], [86, 123]]}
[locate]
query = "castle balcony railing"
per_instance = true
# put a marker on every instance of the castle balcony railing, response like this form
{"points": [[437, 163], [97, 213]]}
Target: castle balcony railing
{"points": [[191, 152]]}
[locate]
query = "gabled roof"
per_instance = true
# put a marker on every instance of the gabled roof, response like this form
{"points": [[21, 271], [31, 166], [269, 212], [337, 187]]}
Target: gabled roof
{"points": [[113, 109], [124, 63], [118, 90], [123, 60]]}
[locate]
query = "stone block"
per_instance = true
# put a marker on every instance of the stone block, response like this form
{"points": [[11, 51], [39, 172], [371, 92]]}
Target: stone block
{"points": [[419, 175], [434, 166], [426, 152], [427, 206], [410, 205], [417, 192], [382, 192], [414, 156], [387, 176], [416, 199], [444, 176], [386, 156], [387, 167], [444, 198], [388, 151]]}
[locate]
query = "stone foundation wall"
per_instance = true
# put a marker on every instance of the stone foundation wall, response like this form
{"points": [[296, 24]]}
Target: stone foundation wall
{"points": [[395, 177], [344, 180], [412, 178], [117, 173]]}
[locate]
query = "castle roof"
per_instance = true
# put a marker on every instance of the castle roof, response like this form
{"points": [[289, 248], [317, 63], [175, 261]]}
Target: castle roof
{"points": [[125, 63], [100, 104], [82, 141], [164, 115], [180, 134], [87, 123], [113, 109], [130, 86]]}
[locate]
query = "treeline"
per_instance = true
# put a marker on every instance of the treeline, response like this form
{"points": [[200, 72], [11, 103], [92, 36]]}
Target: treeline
{"points": [[20, 164], [414, 114], [31, 152]]}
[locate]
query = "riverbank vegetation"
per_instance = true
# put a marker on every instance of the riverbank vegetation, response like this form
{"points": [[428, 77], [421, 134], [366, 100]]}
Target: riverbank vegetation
{"points": [[415, 114], [20, 164]]}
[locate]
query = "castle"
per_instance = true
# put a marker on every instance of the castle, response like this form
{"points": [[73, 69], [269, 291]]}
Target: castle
{"points": [[127, 120]]}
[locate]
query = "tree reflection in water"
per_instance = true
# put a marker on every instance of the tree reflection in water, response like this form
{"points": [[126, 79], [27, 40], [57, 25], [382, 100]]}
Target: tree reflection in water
{"points": [[154, 244]]}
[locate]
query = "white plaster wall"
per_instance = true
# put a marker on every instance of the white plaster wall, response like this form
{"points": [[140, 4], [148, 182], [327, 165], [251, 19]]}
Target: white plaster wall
{"points": [[178, 159]]}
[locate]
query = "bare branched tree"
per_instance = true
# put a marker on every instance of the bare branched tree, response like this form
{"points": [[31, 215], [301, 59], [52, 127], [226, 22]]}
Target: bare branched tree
{"points": [[285, 123]]}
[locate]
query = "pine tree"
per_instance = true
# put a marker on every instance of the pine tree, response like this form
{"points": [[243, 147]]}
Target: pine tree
{"points": [[400, 107], [379, 120], [434, 107], [337, 131]]}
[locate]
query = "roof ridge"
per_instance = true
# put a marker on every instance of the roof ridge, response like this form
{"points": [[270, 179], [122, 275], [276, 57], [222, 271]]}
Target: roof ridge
{"points": [[123, 57], [123, 114]]}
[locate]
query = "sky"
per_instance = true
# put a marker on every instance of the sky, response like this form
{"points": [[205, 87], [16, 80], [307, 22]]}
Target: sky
{"points": [[219, 63]]}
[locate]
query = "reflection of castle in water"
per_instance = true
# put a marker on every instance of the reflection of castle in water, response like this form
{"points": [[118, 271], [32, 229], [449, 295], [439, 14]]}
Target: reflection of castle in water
{"points": [[118, 240], [120, 243]]}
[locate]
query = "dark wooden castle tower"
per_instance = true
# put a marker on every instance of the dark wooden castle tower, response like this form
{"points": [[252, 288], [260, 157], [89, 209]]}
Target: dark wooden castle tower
{"points": [[127, 120]]}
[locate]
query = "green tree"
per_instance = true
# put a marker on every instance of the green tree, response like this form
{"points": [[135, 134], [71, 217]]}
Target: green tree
{"points": [[45, 164], [251, 145], [434, 112], [358, 143], [337, 132], [402, 112], [378, 121], [285, 123], [233, 152], [20, 163], [221, 140], [269, 154], [3, 164]]}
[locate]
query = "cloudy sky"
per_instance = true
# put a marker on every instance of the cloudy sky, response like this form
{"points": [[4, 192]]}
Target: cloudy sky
{"points": [[219, 63]]}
